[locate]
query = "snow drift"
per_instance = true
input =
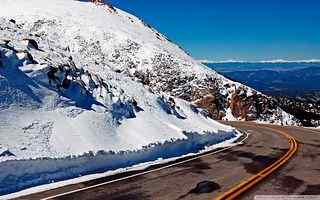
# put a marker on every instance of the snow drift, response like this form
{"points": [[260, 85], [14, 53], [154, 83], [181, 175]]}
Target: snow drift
{"points": [[68, 105]]}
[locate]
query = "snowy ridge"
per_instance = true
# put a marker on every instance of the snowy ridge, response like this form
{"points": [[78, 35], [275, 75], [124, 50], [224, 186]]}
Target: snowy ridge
{"points": [[69, 103]]}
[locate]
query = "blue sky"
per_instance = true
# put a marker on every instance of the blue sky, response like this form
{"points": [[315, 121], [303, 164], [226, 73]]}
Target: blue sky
{"points": [[235, 29]]}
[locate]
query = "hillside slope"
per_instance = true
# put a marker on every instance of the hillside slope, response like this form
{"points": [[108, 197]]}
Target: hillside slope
{"points": [[125, 44]]}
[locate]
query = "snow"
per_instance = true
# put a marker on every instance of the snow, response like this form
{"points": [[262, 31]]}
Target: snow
{"points": [[229, 116], [226, 145], [49, 133], [283, 119]]}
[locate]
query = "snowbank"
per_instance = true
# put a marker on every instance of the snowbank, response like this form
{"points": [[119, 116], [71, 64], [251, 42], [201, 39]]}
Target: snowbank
{"points": [[16, 175]]}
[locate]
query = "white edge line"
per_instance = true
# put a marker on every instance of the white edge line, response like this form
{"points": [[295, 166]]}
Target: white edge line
{"points": [[146, 172]]}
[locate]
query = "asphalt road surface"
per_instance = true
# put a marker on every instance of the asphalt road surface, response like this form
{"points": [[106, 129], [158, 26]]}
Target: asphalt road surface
{"points": [[207, 177], [300, 176]]}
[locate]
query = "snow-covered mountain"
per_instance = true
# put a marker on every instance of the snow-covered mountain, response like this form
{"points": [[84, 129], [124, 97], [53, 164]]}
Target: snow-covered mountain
{"points": [[69, 104], [87, 87]]}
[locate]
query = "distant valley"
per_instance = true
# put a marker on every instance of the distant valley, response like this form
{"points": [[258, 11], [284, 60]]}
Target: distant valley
{"points": [[275, 79]]}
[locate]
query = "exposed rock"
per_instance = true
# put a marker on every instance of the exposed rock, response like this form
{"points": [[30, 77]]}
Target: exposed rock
{"points": [[208, 102], [31, 43], [104, 2], [6, 153], [12, 21]]}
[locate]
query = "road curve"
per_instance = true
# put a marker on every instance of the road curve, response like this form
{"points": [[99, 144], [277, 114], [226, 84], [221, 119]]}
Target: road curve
{"points": [[300, 176], [239, 189], [210, 176]]}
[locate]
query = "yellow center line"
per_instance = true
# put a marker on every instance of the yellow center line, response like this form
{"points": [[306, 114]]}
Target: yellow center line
{"points": [[252, 181]]}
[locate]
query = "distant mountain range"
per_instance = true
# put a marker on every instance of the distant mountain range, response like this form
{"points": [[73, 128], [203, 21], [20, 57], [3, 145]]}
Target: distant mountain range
{"points": [[282, 78], [263, 61]]}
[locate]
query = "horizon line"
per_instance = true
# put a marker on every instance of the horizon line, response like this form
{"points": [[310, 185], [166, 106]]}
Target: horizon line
{"points": [[261, 61]]}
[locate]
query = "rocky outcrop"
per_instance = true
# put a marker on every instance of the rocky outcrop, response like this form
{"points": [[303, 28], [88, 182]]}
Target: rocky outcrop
{"points": [[208, 102], [243, 105], [213, 94], [250, 107]]}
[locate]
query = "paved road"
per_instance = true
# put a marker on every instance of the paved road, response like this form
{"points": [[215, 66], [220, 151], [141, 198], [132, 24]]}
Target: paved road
{"points": [[206, 177], [301, 176]]}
